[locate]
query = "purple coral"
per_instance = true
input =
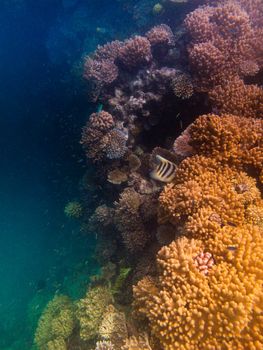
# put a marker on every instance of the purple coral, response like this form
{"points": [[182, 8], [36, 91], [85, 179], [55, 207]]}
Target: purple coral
{"points": [[135, 52], [101, 71], [108, 51], [115, 143], [160, 35]]}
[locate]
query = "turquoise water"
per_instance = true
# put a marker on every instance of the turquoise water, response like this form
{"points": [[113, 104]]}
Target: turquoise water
{"points": [[42, 108]]}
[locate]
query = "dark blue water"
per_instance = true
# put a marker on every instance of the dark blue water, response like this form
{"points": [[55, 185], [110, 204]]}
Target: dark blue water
{"points": [[42, 108]]}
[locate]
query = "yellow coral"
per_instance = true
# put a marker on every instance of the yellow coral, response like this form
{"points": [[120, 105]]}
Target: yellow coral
{"points": [[141, 342], [234, 140], [73, 210], [55, 324], [212, 196], [113, 326], [90, 311], [189, 310]]}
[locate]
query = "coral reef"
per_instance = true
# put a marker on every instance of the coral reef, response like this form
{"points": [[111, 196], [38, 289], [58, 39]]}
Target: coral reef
{"points": [[185, 232], [218, 51], [90, 311], [113, 327], [56, 324], [183, 297], [135, 52]]}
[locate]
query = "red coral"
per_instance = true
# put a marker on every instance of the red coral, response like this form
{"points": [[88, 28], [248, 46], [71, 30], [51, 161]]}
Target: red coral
{"points": [[135, 52]]}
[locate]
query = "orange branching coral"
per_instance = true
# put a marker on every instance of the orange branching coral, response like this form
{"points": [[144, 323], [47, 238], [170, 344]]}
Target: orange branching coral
{"points": [[188, 309], [208, 199], [230, 139], [237, 98]]}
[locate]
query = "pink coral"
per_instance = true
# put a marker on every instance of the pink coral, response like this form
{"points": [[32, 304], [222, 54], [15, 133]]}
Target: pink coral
{"points": [[135, 52], [181, 146], [222, 42], [160, 35], [101, 71], [204, 262], [108, 51]]}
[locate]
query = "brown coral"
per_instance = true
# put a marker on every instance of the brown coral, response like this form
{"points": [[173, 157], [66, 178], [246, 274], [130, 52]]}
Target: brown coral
{"points": [[135, 52], [113, 327], [129, 221], [101, 71]]}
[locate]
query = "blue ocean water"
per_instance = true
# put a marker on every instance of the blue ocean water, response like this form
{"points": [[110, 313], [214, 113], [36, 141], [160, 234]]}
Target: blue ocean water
{"points": [[42, 108]]}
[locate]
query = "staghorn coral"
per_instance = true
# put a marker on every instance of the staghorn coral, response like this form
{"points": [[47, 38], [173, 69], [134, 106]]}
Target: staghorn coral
{"points": [[135, 52], [90, 311], [190, 310], [57, 344], [56, 324], [235, 97], [113, 327]]}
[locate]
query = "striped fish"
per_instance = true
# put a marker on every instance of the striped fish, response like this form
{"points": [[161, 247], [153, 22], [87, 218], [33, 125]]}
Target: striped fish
{"points": [[164, 171]]}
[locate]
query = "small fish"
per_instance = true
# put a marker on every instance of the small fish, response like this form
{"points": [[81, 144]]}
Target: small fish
{"points": [[165, 170], [232, 248]]}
